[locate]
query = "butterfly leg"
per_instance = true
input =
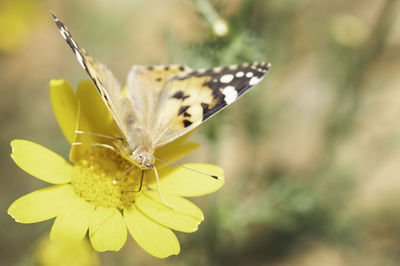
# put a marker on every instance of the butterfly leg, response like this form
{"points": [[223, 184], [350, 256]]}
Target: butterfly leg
{"points": [[159, 190], [94, 144], [98, 135], [141, 181]]}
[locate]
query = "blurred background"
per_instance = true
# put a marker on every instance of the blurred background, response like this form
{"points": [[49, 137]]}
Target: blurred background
{"points": [[312, 154]]}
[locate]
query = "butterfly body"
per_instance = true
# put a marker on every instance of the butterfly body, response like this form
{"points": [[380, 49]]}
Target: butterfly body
{"points": [[162, 103], [140, 155]]}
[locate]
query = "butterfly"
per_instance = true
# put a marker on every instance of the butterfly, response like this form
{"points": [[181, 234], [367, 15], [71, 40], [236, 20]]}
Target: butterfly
{"points": [[163, 103]]}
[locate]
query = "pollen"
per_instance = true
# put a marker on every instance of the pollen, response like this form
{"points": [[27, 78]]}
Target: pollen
{"points": [[94, 175]]}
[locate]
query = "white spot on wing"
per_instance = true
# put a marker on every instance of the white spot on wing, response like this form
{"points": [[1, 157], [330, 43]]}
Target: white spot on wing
{"points": [[63, 33], [226, 78], [230, 94], [74, 43], [253, 81], [239, 74], [233, 67], [249, 74], [217, 69], [79, 57]]}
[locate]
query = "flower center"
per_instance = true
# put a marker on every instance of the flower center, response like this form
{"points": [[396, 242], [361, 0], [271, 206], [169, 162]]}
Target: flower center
{"points": [[94, 176]]}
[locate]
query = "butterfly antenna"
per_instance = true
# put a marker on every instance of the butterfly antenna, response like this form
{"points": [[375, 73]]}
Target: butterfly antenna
{"points": [[188, 168], [98, 135], [159, 189]]}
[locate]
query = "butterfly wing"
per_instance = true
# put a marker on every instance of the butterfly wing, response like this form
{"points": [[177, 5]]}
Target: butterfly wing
{"points": [[145, 86], [104, 81], [164, 102], [189, 99]]}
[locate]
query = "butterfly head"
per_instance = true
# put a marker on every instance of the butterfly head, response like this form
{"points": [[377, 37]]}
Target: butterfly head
{"points": [[143, 157]]}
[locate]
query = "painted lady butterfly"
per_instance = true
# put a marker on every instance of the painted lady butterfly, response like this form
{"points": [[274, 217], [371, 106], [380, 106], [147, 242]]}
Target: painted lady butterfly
{"points": [[164, 102]]}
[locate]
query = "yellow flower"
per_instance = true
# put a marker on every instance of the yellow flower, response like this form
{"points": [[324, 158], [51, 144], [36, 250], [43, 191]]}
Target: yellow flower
{"points": [[65, 253], [18, 19], [83, 197]]}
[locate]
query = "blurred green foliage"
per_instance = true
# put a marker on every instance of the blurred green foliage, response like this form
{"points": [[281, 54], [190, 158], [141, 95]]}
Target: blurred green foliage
{"points": [[312, 154]]}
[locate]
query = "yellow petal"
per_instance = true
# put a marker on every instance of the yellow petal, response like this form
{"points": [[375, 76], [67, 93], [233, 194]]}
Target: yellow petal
{"points": [[107, 229], [181, 215], [174, 152], [192, 182], [181, 139], [94, 115], [40, 162], [154, 238], [74, 222], [65, 104], [42, 204]]}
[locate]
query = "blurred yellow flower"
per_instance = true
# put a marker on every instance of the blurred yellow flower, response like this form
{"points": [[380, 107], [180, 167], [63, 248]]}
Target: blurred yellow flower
{"points": [[83, 197], [65, 253], [348, 30], [17, 20]]}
